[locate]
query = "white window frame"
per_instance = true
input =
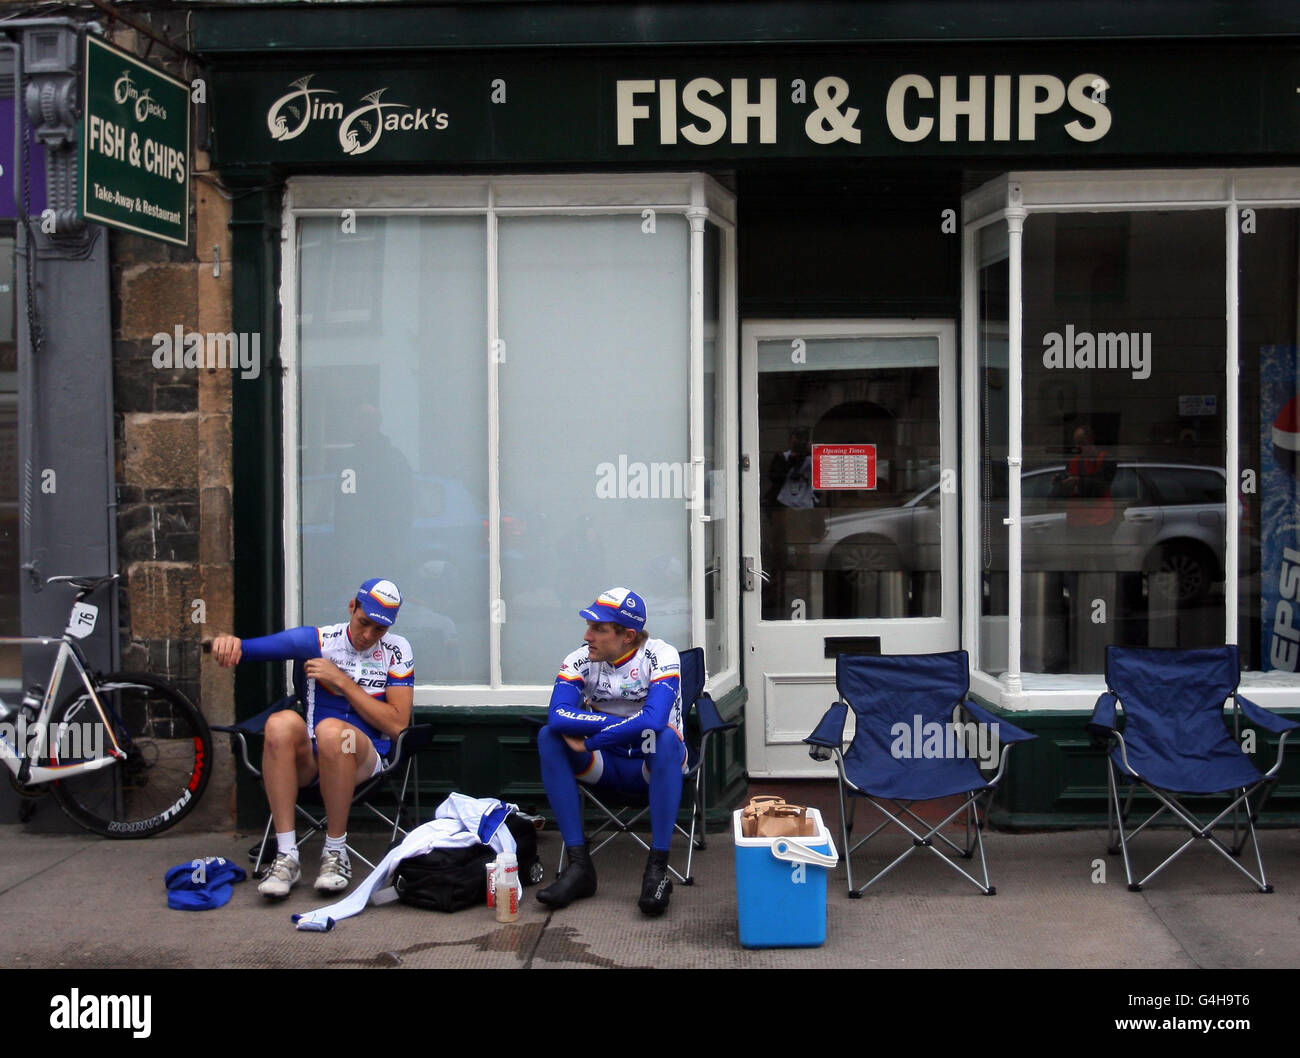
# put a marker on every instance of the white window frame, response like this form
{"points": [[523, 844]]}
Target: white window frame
{"points": [[1009, 199], [693, 195]]}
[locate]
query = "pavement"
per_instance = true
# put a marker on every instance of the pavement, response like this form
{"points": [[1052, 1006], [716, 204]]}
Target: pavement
{"points": [[77, 901]]}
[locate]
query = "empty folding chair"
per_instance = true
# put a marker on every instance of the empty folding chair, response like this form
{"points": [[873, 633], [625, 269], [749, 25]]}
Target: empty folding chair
{"points": [[399, 776], [620, 814], [1175, 743], [912, 744]]}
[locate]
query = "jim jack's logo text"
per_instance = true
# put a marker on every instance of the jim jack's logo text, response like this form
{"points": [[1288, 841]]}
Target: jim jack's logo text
{"points": [[360, 128]]}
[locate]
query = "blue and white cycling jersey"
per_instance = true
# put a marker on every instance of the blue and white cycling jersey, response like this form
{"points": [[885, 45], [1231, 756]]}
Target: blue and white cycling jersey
{"points": [[389, 663], [613, 704]]}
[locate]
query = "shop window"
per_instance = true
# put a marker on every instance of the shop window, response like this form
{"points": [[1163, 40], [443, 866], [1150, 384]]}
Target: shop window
{"points": [[496, 412], [393, 478], [1122, 378], [1269, 271], [595, 465], [1159, 495]]}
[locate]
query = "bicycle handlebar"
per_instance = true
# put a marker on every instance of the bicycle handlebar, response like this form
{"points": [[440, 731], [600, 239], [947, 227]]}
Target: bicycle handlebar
{"points": [[85, 584]]}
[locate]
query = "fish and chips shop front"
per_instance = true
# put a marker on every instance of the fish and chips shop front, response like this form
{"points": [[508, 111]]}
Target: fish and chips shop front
{"points": [[826, 327]]}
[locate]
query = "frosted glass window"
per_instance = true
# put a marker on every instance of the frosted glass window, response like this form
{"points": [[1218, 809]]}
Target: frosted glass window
{"points": [[393, 429], [594, 401]]}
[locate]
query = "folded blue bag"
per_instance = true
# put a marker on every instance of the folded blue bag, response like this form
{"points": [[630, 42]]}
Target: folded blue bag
{"points": [[202, 883]]}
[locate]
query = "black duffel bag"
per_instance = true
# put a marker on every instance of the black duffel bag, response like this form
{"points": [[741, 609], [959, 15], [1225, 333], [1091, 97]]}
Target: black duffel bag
{"points": [[445, 879], [456, 878]]}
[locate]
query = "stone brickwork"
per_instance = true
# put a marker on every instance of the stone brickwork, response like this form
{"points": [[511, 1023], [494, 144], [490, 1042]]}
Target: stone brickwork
{"points": [[175, 537]]}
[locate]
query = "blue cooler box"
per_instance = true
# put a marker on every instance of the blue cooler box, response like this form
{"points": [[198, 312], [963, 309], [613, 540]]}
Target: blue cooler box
{"points": [[781, 887]]}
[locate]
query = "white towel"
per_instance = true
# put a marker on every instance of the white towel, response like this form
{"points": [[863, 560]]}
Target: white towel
{"points": [[456, 824]]}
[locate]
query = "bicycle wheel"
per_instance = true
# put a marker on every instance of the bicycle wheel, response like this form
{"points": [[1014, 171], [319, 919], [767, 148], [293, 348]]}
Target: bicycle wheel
{"points": [[168, 754]]}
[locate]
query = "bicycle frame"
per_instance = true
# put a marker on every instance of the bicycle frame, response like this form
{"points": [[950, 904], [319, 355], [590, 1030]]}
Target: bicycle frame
{"points": [[22, 760]]}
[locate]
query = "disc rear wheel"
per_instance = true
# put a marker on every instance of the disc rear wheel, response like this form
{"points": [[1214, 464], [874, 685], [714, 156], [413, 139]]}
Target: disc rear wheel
{"points": [[167, 747]]}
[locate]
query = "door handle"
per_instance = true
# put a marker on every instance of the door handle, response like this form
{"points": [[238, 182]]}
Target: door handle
{"points": [[748, 573]]}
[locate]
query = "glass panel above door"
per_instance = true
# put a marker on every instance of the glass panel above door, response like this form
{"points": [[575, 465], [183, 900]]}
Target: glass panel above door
{"points": [[849, 441]]}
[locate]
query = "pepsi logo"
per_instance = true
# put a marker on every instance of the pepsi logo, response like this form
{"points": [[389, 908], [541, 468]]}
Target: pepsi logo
{"points": [[1286, 436]]}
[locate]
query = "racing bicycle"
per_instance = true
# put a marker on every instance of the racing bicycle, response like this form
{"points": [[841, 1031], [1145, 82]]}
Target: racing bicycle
{"points": [[125, 755]]}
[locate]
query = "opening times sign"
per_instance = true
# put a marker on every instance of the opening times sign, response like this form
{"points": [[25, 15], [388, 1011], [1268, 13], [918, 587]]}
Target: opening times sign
{"points": [[844, 466], [135, 138]]}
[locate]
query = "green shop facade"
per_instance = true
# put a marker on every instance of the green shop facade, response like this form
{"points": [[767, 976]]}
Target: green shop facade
{"points": [[791, 318]]}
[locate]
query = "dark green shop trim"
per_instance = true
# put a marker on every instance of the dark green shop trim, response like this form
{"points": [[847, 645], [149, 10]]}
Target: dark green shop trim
{"points": [[1059, 781], [256, 458], [477, 25]]}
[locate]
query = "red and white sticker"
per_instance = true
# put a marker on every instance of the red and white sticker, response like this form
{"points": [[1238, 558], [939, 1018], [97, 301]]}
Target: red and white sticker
{"points": [[844, 466]]}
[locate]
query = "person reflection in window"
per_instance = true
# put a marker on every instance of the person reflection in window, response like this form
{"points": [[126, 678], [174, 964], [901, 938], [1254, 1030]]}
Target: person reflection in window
{"points": [[788, 512], [1086, 482], [789, 475]]}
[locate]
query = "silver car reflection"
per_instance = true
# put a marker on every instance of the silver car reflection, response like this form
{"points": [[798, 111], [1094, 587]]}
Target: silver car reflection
{"points": [[1167, 518]]}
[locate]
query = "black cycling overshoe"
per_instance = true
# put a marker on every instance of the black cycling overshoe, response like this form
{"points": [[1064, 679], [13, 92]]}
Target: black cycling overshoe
{"points": [[656, 886], [576, 881]]}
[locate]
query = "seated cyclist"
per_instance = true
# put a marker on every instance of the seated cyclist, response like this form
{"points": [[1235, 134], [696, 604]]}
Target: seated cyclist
{"points": [[615, 723], [359, 682]]}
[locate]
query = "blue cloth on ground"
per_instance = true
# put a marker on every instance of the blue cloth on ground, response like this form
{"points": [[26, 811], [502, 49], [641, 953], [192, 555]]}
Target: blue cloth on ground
{"points": [[202, 883]]}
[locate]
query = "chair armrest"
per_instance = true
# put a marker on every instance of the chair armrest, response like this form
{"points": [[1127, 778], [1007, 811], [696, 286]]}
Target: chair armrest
{"points": [[1102, 722], [412, 738], [1261, 717], [710, 719], [828, 735], [1270, 722], [1007, 732], [241, 732]]}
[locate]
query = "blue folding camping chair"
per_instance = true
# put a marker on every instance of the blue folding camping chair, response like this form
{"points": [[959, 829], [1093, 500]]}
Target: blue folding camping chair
{"points": [[911, 744], [1175, 743]]}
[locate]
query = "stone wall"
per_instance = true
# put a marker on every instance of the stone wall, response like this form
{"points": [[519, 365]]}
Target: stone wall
{"points": [[174, 453]]}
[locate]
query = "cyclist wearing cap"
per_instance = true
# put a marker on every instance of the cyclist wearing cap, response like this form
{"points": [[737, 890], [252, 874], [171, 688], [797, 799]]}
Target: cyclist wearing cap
{"points": [[615, 723], [358, 681]]}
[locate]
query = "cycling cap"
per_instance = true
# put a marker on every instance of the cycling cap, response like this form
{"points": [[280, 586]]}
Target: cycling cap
{"points": [[379, 600], [619, 606], [202, 884]]}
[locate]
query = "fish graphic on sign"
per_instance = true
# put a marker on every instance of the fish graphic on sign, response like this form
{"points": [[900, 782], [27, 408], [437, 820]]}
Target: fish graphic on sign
{"points": [[374, 110], [298, 104]]}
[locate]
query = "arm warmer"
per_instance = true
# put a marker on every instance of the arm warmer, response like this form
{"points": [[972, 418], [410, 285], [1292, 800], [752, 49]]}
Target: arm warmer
{"points": [[652, 717], [297, 644], [569, 716]]}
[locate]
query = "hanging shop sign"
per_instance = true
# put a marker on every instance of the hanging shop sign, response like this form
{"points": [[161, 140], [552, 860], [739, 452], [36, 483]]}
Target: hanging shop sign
{"points": [[135, 137], [1063, 101]]}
